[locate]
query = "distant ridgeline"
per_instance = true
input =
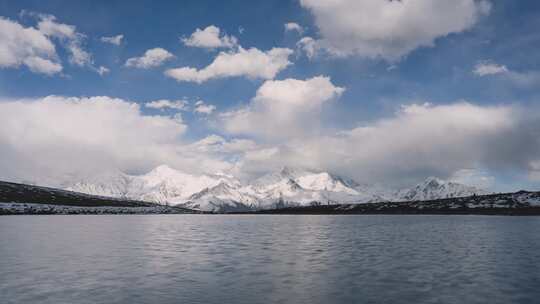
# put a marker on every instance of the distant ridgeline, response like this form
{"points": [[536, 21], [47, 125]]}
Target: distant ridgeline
{"points": [[27, 199], [518, 203]]}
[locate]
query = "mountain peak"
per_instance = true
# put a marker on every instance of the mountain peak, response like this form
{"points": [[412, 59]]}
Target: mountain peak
{"points": [[291, 172], [434, 181], [294, 185], [435, 188]]}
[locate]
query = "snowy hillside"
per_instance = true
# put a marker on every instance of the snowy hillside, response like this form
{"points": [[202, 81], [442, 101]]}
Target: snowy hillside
{"points": [[162, 185], [434, 188], [282, 188]]}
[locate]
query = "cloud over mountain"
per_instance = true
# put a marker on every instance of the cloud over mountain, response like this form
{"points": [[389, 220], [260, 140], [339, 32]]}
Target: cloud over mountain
{"points": [[283, 108], [418, 141]]}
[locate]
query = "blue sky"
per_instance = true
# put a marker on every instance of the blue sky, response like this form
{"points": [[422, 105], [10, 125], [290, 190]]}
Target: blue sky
{"points": [[443, 72]]}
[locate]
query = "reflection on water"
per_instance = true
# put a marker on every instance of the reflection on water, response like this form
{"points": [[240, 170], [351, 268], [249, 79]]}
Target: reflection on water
{"points": [[269, 259]]}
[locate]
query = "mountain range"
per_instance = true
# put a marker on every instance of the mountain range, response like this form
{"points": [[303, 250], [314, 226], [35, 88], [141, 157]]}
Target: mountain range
{"points": [[283, 188]]}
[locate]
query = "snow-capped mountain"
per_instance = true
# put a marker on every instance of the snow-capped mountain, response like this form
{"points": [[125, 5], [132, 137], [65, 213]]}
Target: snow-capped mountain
{"points": [[111, 184], [162, 185], [222, 197], [434, 188], [285, 187]]}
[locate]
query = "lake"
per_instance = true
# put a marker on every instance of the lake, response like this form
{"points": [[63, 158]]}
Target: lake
{"points": [[269, 259]]}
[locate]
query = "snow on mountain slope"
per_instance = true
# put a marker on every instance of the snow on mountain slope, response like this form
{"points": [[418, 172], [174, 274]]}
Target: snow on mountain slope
{"points": [[291, 186], [324, 181], [223, 197], [111, 184], [220, 198], [285, 187], [162, 185], [167, 185], [434, 188]]}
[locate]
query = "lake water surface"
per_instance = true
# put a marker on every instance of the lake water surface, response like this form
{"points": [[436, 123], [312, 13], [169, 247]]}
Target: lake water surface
{"points": [[269, 259]]}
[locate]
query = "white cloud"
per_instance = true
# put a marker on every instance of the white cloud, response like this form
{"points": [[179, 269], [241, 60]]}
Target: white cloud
{"points": [[262, 155], [486, 68], [53, 139], [293, 27], [151, 58], [68, 35], [48, 26], [210, 38], [39, 65], [27, 46], [251, 63], [181, 105], [419, 141], [389, 29], [35, 48], [309, 46], [522, 79], [283, 108], [219, 145], [79, 56], [102, 70], [116, 40], [202, 108], [59, 135]]}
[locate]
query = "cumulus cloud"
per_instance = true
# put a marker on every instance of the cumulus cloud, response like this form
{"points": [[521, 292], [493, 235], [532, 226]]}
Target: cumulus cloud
{"points": [[210, 38], [202, 108], [293, 27], [56, 139], [116, 40], [69, 37], [49, 26], [389, 29], [282, 108], [34, 47], [419, 140], [27, 46], [162, 104], [252, 63], [39, 65], [151, 58], [59, 135], [63, 137]]}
